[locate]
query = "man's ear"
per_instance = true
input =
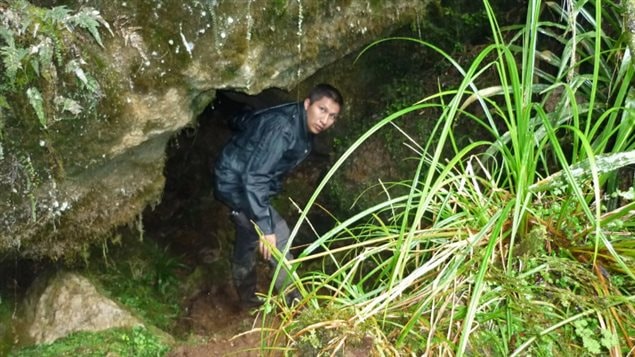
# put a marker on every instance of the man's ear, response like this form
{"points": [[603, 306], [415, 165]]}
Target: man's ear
{"points": [[307, 103]]}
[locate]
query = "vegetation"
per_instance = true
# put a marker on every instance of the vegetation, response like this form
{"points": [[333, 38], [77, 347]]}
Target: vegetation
{"points": [[136, 341], [143, 277], [7, 310], [37, 61], [48, 89], [517, 243], [454, 26]]}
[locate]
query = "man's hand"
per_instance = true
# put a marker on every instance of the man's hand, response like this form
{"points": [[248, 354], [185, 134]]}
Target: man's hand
{"points": [[266, 241]]}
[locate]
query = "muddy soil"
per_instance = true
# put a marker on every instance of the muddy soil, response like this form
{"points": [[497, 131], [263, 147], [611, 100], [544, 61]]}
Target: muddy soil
{"points": [[219, 326]]}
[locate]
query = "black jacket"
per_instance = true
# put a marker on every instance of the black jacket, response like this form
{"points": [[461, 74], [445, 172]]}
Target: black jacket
{"points": [[251, 167]]}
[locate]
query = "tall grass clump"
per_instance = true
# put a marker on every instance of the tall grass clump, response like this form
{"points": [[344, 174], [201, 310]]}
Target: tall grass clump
{"points": [[520, 243]]}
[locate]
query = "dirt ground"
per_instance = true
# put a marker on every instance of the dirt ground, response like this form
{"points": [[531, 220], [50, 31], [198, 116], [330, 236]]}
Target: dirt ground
{"points": [[221, 326], [224, 329]]}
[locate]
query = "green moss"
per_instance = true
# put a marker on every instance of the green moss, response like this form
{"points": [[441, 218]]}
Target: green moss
{"points": [[136, 341], [142, 276], [206, 31], [7, 308], [278, 7]]}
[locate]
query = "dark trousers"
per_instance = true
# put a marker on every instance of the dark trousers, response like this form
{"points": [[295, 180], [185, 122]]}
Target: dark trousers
{"points": [[246, 253]]}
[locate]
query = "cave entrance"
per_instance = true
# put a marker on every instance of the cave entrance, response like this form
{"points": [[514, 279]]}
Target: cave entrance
{"points": [[194, 226], [188, 219]]}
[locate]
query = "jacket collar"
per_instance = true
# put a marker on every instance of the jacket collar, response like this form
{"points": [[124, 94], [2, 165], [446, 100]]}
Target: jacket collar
{"points": [[304, 127]]}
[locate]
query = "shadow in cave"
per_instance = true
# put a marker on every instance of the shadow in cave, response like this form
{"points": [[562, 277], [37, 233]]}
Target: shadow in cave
{"points": [[192, 224], [188, 218], [195, 226]]}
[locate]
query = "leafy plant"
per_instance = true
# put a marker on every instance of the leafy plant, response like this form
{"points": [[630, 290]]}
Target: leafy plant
{"points": [[507, 240], [35, 50], [44, 52]]}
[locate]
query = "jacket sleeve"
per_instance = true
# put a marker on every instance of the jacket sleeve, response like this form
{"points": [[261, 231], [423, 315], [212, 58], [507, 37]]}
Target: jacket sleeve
{"points": [[258, 175]]}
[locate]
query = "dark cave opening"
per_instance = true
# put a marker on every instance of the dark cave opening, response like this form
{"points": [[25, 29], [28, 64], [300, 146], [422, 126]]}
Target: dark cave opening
{"points": [[188, 218]]}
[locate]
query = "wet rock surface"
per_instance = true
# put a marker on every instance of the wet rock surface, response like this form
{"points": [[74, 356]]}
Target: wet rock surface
{"points": [[66, 186]]}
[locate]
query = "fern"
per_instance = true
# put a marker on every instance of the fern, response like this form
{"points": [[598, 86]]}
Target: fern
{"points": [[43, 58], [45, 53], [90, 20], [33, 50], [58, 15], [12, 59], [68, 105], [35, 64], [3, 105], [20, 5], [22, 23], [93, 86], [88, 82], [35, 98], [7, 36], [73, 67]]}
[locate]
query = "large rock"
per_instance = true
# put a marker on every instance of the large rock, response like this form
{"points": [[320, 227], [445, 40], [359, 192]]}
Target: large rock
{"points": [[69, 303], [69, 174]]}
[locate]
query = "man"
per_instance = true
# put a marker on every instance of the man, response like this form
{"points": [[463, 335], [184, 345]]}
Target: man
{"points": [[250, 171]]}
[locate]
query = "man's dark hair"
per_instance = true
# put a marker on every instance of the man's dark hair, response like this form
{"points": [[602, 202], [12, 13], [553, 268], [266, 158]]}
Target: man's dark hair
{"points": [[326, 90]]}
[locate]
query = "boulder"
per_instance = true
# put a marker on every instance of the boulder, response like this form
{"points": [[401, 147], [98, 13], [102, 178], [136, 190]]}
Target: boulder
{"points": [[68, 302]]}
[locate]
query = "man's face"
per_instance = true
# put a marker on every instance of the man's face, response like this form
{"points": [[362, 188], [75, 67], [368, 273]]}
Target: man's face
{"points": [[321, 114]]}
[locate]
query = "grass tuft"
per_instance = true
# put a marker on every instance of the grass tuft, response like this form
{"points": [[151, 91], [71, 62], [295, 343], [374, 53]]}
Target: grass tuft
{"points": [[519, 243]]}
